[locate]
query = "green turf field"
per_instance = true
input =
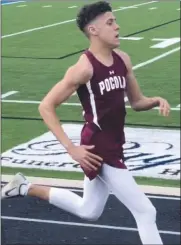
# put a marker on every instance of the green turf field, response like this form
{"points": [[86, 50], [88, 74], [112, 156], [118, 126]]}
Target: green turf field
{"points": [[36, 35]]}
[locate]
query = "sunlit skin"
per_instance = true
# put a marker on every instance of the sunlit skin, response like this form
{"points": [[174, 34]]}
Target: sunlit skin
{"points": [[104, 30]]}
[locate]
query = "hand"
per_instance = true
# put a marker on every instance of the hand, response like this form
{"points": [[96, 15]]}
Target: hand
{"points": [[86, 159], [164, 107]]}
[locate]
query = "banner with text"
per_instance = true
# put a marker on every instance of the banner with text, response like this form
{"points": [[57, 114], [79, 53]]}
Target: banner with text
{"points": [[148, 152]]}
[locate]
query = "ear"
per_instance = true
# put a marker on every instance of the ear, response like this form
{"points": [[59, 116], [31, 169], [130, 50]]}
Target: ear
{"points": [[92, 30]]}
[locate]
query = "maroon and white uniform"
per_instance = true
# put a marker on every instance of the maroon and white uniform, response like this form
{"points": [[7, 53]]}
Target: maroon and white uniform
{"points": [[102, 99]]}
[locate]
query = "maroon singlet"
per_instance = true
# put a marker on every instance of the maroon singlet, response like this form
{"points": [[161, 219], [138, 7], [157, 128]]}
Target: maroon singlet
{"points": [[102, 99]]}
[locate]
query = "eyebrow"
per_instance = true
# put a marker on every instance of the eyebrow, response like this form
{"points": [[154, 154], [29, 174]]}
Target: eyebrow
{"points": [[114, 18]]}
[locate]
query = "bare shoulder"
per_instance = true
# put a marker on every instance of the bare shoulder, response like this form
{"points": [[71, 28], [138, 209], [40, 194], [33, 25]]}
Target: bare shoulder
{"points": [[125, 57], [81, 71]]}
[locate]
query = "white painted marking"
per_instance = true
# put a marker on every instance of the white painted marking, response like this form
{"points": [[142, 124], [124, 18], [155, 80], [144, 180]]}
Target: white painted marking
{"points": [[131, 7], [156, 58], [8, 94], [68, 104], [38, 28], [21, 6], [47, 6], [82, 224], [134, 68], [22, 101], [60, 23], [164, 197], [165, 42], [12, 3], [72, 7], [153, 8], [178, 9], [178, 106], [137, 5], [131, 38]]}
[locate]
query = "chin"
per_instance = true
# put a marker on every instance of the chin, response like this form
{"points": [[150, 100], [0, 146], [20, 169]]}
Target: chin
{"points": [[115, 45]]}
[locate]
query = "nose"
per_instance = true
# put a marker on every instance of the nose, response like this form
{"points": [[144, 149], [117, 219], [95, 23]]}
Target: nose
{"points": [[117, 27]]}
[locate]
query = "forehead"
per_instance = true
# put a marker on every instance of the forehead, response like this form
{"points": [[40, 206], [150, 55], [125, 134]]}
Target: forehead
{"points": [[105, 17]]}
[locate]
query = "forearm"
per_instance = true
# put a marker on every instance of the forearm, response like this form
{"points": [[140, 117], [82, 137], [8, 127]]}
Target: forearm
{"points": [[51, 120], [145, 103]]}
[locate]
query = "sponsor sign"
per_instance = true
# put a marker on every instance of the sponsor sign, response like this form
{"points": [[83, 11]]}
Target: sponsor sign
{"points": [[148, 152]]}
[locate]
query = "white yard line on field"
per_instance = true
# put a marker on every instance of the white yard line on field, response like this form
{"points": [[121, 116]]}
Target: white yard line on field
{"points": [[21, 6], [165, 42], [8, 94], [156, 58], [72, 7], [134, 6], [69, 104], [25, 101], [47, 6], [153, 8], [131, 38], [134, 68], [37, 28], [63, 22]]}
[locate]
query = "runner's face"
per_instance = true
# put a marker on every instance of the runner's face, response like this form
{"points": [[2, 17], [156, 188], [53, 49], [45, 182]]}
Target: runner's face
{"points": [[106, 29]]}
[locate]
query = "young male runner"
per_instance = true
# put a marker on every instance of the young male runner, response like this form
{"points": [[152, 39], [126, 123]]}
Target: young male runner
{"points": [[101, 77]]}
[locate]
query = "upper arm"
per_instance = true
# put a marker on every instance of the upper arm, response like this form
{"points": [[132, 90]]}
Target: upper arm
{"points": [[132, 87], [77, 74]]}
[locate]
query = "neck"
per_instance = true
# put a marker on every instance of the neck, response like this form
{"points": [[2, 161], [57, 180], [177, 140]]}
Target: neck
{"points": [[100, 50]]}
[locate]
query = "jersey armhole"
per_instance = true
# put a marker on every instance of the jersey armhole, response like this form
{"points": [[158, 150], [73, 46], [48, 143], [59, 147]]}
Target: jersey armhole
{"points": [[90, 58], [120, 58]]}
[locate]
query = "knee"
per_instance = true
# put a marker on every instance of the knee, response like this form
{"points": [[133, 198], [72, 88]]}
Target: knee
{"points": [[91, 215], [150, 213], [147, 214]]}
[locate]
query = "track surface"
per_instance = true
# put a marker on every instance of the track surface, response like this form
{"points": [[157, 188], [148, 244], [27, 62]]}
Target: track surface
{"points": [[115, 214]]}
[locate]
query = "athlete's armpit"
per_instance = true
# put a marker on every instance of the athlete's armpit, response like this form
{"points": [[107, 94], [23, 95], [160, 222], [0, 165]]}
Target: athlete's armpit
{"points": [[133, 90]]}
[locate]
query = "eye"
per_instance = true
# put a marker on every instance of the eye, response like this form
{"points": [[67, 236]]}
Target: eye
{"points": [[110, 22]]}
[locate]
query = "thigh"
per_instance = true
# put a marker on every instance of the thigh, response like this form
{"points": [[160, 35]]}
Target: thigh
{"points": [[125, 188]]}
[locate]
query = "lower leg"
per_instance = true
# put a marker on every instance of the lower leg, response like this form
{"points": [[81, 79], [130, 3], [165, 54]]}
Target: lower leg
{"points": [[73, 203], [58, 197], [42, 192], [128, 192], [147, 228]]}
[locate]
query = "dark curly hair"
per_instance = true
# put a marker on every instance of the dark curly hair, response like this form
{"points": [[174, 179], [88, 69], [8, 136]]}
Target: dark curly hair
{"points": [[90, 11]]}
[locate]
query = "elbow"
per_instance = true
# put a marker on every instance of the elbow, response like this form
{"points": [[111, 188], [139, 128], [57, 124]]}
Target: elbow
{"points": [[135, 107], [43, 108], [138, 105]]}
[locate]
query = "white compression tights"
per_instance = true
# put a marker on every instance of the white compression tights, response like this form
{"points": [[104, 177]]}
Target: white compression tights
{"points": [[96, 192]]}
